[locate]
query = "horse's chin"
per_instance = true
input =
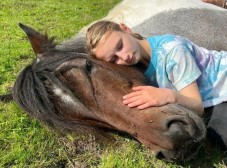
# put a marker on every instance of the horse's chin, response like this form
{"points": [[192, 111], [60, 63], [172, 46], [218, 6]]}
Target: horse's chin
{"points": [[183, 153]]}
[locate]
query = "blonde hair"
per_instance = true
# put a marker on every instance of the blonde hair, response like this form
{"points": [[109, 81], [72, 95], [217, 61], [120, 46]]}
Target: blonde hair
{"points": [[96, 32]]}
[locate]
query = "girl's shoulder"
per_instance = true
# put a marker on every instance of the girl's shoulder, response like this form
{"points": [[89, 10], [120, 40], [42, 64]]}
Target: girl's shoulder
{"points": [[167, 40]]}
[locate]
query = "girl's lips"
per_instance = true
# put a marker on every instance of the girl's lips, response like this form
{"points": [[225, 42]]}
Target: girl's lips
{"points": [[131, 59]]}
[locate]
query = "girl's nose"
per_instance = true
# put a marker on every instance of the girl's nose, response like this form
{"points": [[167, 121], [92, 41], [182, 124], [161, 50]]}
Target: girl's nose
{"points": [[125, 57]]}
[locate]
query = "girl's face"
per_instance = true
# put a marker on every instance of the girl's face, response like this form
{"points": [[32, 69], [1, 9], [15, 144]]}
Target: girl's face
{"points": [[118, 47]]}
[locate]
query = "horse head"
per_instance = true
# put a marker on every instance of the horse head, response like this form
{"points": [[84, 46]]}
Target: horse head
{"points": [[70, 90]]}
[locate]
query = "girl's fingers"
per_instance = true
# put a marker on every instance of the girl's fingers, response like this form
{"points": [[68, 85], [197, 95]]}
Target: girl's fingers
{"points": [[136, 92], [138, 88], [144, 106], [148, 104], [135, 103], [131, 100], [130, 95]]}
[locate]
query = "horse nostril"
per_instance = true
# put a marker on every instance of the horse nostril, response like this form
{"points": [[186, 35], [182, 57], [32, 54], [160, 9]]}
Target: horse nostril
{"points": [[176, 121], [178, 130]]}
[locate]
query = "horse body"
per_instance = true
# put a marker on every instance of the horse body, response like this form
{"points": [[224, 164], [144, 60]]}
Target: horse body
{"points": [[134, 12], [200, 22], [202, 26]]}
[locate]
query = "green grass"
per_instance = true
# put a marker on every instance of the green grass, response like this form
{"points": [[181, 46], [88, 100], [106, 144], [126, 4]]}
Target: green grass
{"points": [[24, 142]]}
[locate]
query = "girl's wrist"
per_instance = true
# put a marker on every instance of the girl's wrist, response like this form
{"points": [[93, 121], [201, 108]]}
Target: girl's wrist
{"points": [[172, 96]]}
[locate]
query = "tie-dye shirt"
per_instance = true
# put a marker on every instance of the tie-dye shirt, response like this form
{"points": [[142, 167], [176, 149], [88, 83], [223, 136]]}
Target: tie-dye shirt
{"points": [[177, 62]]}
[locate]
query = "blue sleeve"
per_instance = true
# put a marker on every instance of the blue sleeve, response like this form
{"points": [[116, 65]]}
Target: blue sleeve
{"points": [[181, 67]]}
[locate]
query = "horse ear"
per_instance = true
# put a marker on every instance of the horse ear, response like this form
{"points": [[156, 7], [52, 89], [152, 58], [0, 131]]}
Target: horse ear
{"points": [[39, 42]]}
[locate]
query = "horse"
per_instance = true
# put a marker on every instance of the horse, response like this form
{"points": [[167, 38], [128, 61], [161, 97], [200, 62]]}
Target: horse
{"points": [[69, 90]]}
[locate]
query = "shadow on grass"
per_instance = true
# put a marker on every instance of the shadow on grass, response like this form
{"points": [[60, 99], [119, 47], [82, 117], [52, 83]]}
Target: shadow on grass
{"points": [[87, 151]]}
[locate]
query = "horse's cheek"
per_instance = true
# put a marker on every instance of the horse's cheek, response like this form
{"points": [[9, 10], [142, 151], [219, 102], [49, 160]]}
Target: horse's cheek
{"points": [[80, 85]]}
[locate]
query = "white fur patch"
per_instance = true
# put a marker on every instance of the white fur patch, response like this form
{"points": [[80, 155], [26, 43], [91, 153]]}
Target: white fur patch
{"points": [[63, 96]]}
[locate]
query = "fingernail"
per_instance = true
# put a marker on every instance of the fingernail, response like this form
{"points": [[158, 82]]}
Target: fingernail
{"points": [[129, 105]]}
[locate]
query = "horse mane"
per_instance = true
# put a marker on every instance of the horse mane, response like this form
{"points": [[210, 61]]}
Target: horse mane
{"points": [[33, 92], [30, 92]]}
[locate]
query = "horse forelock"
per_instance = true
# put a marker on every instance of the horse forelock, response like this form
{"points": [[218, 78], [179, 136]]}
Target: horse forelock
{"points": [[66, 98]]}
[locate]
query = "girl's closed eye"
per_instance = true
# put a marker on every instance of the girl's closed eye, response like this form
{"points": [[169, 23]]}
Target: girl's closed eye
{"points": [[120, 45], [113, 59]]}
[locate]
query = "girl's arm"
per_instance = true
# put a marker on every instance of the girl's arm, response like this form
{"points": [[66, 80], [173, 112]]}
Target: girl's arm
{"points": [[190, 97], [148, 96]]}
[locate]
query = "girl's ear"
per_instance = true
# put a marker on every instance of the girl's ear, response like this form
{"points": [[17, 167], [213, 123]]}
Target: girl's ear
{"points": [[125, 28]]}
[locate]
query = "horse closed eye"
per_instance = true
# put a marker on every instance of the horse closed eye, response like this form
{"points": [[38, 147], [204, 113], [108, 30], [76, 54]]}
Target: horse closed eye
{"points": [[88, 66]]}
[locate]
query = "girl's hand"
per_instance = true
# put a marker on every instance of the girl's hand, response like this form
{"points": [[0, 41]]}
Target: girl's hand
{"points": [[147, 96], [215, 2]]}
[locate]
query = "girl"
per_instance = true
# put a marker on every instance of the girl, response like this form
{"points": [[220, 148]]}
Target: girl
{"points": [[179, 71]]}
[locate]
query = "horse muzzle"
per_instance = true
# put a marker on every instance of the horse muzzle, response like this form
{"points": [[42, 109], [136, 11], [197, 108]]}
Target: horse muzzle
{"points": [[173, 133]]}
